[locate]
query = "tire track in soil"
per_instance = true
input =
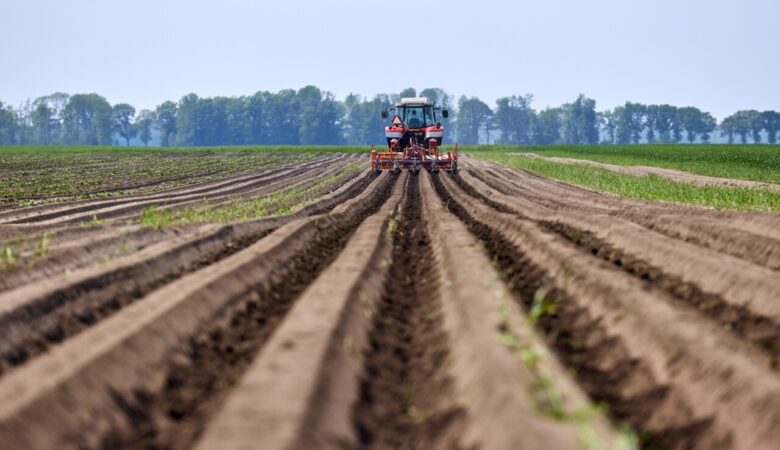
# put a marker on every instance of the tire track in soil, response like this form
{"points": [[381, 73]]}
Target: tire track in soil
{"points": [[583, 344], [404, 380], [200, 375], [32, 330], [754, 328]]}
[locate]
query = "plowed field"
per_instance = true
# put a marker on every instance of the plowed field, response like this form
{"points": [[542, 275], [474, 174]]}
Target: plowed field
{"points": [[492, 309]]}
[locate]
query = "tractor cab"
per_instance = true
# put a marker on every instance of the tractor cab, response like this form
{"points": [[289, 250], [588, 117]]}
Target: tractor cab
{"points": [[413, 139], [415, 121]]}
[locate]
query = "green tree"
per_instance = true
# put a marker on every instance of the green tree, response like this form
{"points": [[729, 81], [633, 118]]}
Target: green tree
{"points": [[708, 124], [473, 116], [771, 123], [87, 120], [546, 129], [629, 122], [408, 92], [55, 105], [579, 121], [321, 117], [144, 123], [254, 115], [756, 123], [42, 120], [363, 123], [237, 121], [667, 124], [122, 116], [606, 121], [7, 125], [283, 118], [166, 122], [740, 123], [692, 120], [651, 123], [437, 95], [728, 128], [513, 117], [187, 121]]}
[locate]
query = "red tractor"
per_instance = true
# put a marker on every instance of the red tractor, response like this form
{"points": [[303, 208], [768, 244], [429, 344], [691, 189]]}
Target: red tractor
{"points": [[413, 140]]}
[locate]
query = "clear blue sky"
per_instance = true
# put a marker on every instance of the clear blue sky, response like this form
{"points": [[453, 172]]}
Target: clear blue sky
{"points": [[718, 55]]}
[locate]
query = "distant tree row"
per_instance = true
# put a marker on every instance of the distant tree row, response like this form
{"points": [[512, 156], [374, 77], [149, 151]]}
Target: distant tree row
{"points": [[751, 122], [310, 116]]}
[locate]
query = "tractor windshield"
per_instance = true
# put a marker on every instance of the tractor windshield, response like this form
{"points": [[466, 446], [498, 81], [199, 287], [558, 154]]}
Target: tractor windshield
{"points": [[418, 116]]}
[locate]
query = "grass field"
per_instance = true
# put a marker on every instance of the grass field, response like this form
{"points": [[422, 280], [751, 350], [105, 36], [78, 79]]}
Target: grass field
{"points": [[748, 162], [648, 187]]}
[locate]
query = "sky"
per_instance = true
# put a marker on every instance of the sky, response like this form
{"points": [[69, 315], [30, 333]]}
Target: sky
{"points": [[718, 55]]}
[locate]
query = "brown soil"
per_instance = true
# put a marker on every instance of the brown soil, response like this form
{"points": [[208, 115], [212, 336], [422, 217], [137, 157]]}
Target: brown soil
{"points": [[492, 309], [404, 378], [71, 307], [595, 327], [123, 206]]}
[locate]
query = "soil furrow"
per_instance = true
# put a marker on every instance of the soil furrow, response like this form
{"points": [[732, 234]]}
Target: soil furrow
{"points": [[690, 386], [320, 366], [74, 248], [30, 330], [125, 369], [111, 207], [757, 329], [124, 208], [223, 348], [404, 385], [738, 282], [311, 365], [749, 235]]}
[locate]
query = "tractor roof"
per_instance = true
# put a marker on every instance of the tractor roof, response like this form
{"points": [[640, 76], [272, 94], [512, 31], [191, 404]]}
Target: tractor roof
{"points": [[415, 101]]}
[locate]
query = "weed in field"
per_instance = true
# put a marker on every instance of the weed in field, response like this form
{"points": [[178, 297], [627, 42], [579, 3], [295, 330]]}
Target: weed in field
{"points": [[8, 257], [155, 218], [94, 221], [541, 306], [547, 396], [42, 245]]}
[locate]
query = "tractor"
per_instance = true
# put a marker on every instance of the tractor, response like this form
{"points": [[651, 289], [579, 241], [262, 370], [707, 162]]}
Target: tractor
{"points": [[413, 140]]}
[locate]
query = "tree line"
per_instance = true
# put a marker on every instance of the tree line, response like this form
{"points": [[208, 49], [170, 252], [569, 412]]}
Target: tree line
{"points": [[311, 116]]}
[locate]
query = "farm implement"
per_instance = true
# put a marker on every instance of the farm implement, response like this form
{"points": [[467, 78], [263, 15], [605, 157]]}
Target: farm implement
{"points": [[413, 140]]}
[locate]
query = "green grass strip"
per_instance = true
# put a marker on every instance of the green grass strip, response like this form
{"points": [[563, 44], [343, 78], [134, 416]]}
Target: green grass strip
{"points": [[747, 162], [648, 187]]}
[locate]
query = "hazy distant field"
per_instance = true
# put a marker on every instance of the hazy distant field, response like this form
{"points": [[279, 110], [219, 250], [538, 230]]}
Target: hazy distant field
{"points": [[35, 173]]}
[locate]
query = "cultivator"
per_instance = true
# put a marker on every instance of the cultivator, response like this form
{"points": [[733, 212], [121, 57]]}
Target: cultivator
{"points": [[413, 140]]}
